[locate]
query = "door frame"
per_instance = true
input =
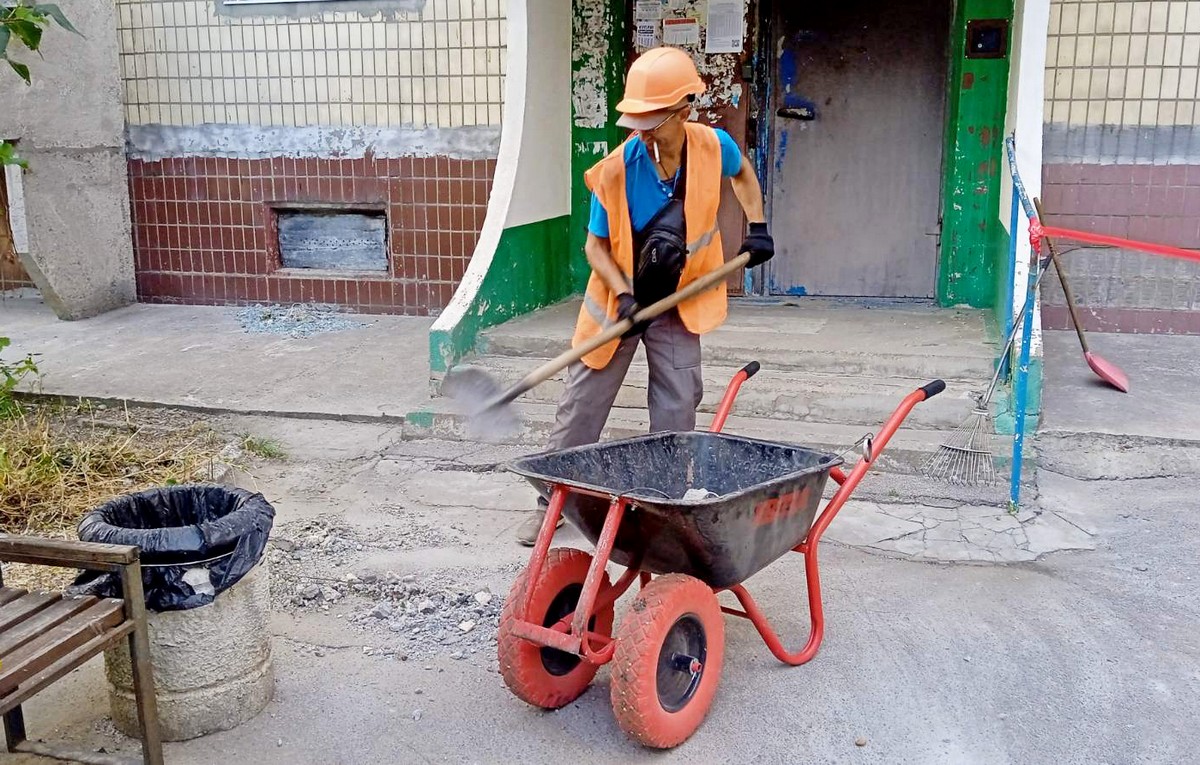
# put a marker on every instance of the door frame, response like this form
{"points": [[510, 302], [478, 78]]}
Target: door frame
{"points": [[957, 167]]}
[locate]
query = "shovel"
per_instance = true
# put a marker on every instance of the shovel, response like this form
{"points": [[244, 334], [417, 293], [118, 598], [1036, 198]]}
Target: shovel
{"points": [[1104, 369], [487, 408]]}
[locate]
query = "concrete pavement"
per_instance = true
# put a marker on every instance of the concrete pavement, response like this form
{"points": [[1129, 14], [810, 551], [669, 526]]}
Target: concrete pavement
{"points": [[200, 358], [1085, 657], [1089, 430]]}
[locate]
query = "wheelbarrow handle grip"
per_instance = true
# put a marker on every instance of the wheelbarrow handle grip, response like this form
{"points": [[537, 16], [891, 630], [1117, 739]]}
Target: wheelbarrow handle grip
{"points": [[751, 369], [933, 388]]}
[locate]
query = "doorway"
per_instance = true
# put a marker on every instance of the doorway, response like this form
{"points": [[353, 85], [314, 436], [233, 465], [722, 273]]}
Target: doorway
{"points": [[857, 110]]}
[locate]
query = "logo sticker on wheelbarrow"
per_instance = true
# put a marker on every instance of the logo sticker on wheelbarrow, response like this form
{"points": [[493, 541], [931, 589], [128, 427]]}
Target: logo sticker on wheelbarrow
{"points": [[771, 510]]}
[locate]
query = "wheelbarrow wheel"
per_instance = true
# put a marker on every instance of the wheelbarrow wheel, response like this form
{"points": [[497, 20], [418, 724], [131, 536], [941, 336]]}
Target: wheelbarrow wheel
{"points": [[667, 665], [547, 677]]}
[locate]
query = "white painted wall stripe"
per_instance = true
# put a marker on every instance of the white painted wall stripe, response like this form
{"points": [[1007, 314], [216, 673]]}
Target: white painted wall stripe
{"points": [[155, 142]]}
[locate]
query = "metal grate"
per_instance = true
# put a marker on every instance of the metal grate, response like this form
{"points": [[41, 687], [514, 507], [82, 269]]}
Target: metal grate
{"points": [[1122, 154], [185, 64]]}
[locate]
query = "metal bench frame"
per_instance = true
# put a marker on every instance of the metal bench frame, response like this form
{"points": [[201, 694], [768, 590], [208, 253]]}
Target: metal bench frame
{"points": [[124, 561]]}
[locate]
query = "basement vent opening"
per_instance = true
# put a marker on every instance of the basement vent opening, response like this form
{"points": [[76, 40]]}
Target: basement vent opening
{"points": [[333, 241]]}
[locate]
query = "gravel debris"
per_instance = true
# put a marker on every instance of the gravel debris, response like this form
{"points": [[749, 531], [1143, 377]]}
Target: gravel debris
{"points": [[401, 616], [301, 320]]}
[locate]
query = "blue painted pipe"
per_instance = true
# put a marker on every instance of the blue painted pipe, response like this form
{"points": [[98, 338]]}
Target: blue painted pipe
{"points": [[1022, 381]]}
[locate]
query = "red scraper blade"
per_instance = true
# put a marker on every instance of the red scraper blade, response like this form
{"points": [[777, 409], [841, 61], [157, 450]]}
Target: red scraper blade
{"points": [[1108, 371]]}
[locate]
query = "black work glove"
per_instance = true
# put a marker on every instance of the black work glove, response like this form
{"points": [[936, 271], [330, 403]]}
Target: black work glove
{"points": [[759, 244], [627, 305]]}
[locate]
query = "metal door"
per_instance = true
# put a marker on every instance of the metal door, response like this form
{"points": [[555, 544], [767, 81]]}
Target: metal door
{"points": [[858, 109]]}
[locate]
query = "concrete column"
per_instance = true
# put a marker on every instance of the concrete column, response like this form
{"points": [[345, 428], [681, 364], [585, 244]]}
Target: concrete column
{"points": [[70, 126]]}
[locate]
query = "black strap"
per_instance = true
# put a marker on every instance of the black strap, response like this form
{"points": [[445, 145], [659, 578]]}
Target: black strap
{"points": [[679, 190]]}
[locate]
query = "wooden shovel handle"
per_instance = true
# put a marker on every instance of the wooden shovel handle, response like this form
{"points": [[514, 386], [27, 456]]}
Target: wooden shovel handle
{"points": [[1062, 279], [567, 358]]}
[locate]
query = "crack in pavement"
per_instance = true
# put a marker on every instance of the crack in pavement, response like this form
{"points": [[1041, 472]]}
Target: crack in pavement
{"points": [[1071, 523]]}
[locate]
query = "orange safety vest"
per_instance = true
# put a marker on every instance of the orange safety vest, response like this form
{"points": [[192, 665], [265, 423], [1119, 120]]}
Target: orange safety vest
{"points": [[701, 313]]}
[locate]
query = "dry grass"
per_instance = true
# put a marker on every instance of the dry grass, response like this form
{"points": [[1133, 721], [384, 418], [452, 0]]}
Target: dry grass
{"points": [[56, 464]]}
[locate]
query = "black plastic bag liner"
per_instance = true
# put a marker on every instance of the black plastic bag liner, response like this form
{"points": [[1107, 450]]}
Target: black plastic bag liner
{"points": [[178, 528]]}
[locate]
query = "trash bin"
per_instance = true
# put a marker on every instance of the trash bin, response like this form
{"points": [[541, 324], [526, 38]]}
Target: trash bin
{"points": [[208, 604]]}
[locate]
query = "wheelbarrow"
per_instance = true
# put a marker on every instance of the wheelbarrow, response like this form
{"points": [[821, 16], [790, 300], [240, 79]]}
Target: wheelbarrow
{"points": [[688, 515]]}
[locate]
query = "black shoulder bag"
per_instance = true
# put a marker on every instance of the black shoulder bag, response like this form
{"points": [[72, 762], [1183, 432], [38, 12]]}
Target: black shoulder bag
{"points": [[661, 246]]}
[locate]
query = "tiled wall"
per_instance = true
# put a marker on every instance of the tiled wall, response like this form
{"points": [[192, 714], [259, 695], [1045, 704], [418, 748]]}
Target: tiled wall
{"points": [[1123, 62], [204, 228], [186, 65], [237, 113], [1122, 157], [1120, 290]]}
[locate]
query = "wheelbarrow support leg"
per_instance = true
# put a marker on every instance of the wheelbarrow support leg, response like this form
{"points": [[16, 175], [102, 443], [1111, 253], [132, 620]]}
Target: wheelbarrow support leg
{"points": [[541, 548], [591, 585]]}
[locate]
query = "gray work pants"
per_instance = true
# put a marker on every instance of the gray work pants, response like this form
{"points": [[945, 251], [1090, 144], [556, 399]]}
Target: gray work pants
{"points": [[675, 388]]}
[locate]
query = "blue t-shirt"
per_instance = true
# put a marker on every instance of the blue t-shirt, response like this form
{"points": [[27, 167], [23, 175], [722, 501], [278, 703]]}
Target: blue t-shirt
{"points": [[646, 192]]}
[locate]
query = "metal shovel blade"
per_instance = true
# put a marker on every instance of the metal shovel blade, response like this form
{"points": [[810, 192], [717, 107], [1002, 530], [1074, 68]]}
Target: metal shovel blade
{"points": [[1107, 371], [477, 398]]}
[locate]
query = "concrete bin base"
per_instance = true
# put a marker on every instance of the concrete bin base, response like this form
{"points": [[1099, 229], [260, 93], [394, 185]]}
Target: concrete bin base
{"points": [[212, 665]]}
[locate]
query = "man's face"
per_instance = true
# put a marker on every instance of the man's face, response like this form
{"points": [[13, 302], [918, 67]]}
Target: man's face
{"points": [[669, 133]]}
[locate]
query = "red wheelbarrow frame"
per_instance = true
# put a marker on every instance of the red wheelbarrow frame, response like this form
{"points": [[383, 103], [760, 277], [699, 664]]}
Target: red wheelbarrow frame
{"points": [[570, 634]]}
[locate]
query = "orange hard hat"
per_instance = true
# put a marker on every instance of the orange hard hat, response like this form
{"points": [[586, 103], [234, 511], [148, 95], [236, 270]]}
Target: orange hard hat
{"points": [[659, 79]]}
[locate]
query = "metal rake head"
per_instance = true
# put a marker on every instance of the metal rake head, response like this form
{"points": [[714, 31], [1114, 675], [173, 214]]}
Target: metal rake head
{"points": [[965, 457]]}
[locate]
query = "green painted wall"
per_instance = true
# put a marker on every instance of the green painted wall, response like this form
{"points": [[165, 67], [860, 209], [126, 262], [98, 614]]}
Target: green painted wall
{"points": [[974, 243], [523, 277], [599, 46]]}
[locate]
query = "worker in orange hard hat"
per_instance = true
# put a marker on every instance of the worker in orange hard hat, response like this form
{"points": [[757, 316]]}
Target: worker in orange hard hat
{"points": [[653, 230]]}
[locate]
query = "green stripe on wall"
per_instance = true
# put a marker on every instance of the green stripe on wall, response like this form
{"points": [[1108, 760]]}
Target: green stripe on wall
{"points": [[530, 270]]}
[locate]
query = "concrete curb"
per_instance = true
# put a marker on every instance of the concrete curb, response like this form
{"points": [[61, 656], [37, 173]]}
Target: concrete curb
{"points": [[111, 402]]}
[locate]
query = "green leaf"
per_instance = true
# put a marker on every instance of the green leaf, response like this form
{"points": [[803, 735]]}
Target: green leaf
{"points": [[9, 156], [22, 71], [54, 12], [27, 32], [4, 37]]}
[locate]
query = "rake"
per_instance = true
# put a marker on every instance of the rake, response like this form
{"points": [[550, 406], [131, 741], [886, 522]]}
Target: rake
{"points": [[965, 456]]}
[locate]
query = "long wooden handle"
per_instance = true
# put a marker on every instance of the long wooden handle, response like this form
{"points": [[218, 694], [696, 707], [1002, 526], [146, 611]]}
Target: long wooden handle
{"points": [[569, 357], [1062, 279]]}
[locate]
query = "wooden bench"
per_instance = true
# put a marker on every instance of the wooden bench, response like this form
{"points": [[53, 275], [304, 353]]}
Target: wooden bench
{"points": [[43, 636]]}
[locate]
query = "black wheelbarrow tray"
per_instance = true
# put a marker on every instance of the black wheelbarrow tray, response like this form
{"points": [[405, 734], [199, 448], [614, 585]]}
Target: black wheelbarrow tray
{"points": [[688, 515]]}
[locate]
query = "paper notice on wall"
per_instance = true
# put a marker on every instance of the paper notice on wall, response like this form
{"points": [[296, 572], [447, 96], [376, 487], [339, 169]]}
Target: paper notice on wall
{"points": [[647, 34], [725, 27], [648, 10], [681, 31]]}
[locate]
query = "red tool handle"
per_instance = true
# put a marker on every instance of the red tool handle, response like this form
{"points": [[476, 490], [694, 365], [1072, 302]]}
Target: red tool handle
{"points": [[726, 405]]}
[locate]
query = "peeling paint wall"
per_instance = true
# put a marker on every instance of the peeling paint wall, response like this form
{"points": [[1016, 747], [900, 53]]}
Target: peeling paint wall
{"points": [[720, 71], [598, 38], [591, 30]]}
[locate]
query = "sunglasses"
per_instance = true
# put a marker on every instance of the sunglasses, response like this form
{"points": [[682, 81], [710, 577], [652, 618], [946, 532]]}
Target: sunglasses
{"points": [[668, 118]]}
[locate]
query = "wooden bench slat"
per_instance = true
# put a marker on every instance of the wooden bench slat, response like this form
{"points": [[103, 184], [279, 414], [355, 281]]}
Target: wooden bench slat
{"points": [[47, 618], [24, 607], [31, 687], [9, 594], [56, 643], [65, 553]]}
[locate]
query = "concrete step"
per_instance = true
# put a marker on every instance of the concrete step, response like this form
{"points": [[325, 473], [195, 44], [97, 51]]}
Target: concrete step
{"points": [[819, 337], [907, 453], [1092, 456], [787, 394]]}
